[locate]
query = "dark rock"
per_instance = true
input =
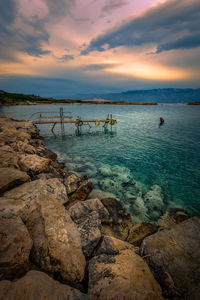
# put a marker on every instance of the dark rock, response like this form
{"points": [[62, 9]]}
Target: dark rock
{"points": [[120, 221], [139, 232], [82, 192], [174, 257]]}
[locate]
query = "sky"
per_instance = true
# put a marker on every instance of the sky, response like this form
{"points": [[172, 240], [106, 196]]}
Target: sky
{"points": [[65, 48]]}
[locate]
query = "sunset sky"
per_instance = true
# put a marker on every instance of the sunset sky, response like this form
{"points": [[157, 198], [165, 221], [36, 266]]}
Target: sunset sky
{"points": [[66, 47]]}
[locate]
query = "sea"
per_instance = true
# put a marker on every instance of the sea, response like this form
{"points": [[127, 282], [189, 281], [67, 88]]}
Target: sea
{"points": [[148, 167]]}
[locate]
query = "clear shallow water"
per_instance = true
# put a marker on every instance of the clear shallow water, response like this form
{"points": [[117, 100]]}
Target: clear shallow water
{"points": [[136, 156]]}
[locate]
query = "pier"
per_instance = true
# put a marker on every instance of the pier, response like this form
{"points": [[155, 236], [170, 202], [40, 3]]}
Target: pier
{"points": [[41, 118]]}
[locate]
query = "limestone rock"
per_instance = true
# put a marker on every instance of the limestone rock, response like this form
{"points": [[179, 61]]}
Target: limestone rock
{"points": [[172, 217], [56, 241], [88, 216], [38, 285], [23, 147], [140, 231], [117, 272], [8, 158], [174, 257], [10, 177], [23, 199], [120, 221], [33, 163], [15, 246], [82, 192]]}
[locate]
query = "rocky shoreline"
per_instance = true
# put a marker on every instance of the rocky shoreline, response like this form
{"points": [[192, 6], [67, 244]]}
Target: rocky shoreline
{"points": [[58, 243]]}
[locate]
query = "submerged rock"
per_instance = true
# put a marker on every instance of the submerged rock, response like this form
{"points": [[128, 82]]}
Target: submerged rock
{"points": [[153, 200], [15, 246], [117, 272], [172, 217], [139, 232], [38, 285], [174, 257], [10, 177], [88, 216], [56, 241], [100, 194]]}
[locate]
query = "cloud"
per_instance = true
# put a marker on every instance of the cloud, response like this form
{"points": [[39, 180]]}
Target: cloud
{"points": [[172, 25], [113, 4], [97, 67], [66, 57]]}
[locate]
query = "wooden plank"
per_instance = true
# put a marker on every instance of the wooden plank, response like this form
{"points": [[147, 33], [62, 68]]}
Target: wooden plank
{"points": [[71, 121]]}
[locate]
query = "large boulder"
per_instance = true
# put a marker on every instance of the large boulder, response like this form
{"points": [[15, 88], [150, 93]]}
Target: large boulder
{"points": [[38, 285], [15, 246], [117, 272], [33, 163], [8, 157], [139, 232], [22, 200], [88, 216], [120, 221], [174, 257], [56, 240], [10, 177]]}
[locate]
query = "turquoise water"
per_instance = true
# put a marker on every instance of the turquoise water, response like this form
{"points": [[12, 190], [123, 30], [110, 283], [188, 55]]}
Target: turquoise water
{"points": [[137, 155]]}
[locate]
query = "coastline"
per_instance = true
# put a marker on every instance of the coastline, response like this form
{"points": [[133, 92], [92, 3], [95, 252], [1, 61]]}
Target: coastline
{"points": [[79, 242]]}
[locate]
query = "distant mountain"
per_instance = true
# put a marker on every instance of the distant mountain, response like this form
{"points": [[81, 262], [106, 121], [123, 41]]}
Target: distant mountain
{"points": [[169, 95]]}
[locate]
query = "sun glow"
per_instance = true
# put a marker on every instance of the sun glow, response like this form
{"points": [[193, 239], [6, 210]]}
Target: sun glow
{"points": [[151, 72]]}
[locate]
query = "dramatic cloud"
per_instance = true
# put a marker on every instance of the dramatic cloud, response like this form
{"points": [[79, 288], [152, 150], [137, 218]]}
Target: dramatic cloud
{"points": [[173, 25], [66, 57], [59, 8]]}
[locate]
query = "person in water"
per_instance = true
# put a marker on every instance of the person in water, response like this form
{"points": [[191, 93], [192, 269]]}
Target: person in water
{"points": [[161, 121]]}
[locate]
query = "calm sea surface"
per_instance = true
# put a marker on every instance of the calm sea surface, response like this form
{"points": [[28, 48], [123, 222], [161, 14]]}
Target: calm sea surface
{"points": [[139, 162]]}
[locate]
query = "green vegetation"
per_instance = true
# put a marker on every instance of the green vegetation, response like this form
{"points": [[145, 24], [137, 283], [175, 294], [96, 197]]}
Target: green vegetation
{"points": [[20, 99], [194, 103]]}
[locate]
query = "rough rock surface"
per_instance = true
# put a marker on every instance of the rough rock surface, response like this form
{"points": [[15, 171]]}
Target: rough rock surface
{"points": [[8, 157], [120, 221], [38, 285], [88, 216], [56, 240], [33, 163], [82, 192], [172, 217], [10, 177], [15, 246], [117, 272], [139, 232], [23, 199], [174, 257]]}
